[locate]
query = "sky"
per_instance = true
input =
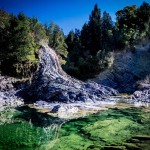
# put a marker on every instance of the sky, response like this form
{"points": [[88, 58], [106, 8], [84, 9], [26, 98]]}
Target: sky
{"points": [[68, 14]]}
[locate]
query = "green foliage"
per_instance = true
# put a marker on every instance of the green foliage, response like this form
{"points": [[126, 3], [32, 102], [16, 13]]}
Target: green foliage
{"points": [[19, 42], [88, 49], [91, 32], [18, 47], [57, 40], [37, 30], [107, 34], [80, 47], [26, 128], [143, 14], [133, 24], [85, 53]]}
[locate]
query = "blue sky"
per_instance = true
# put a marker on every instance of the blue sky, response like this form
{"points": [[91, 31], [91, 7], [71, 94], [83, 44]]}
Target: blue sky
{"points": [[68, 14]]}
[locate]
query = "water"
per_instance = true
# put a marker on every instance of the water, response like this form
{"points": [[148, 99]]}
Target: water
{"points": [[121, 127]]}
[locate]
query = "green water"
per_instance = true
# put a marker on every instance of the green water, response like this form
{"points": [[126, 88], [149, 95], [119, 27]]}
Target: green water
{"points": [[122, 128]]}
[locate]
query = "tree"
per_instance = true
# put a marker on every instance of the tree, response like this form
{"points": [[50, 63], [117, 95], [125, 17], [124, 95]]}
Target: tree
{"points": [[91, 32], [107, 32], [74, 46], [84, 38], [74, 53], [85, 47], [143, 14], [57, 40], [4, 34], [38, 30], [127, 25], [127, 16], [20, 49], [70, 41], [22, 41], [95, 36]]}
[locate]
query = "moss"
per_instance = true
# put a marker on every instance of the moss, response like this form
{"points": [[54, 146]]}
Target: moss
{"points": [[72, 142], [131, 146], [111, 127], [114, 148], [115, 128], [17, 131], [113, 131]]}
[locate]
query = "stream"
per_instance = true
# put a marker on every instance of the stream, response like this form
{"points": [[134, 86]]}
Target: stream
{"points": [[118, 127]]}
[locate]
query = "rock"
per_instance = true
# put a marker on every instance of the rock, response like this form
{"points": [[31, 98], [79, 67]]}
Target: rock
{"points": [[55, 109], [8, 92], [143, 91], [128, 68], [52, 84]]}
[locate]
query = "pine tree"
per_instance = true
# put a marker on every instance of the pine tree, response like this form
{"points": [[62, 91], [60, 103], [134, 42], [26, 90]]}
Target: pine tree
{"points": [[143, 20], [91, 37], [107, 32], [70, 41], [57, 41], [38, 30], [22, 41], [95, 31]]}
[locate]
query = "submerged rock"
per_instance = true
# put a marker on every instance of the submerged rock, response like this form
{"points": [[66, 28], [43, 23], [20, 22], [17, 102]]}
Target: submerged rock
{"points": [[51, 83]]}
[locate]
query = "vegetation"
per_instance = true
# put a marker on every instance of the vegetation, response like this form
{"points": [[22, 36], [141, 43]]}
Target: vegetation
{"points": [[90, 48], [19, 42], [123, 128], [83, 53], [25, 128]]}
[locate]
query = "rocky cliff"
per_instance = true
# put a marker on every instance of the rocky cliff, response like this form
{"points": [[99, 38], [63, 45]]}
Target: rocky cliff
{"points": [[128, 67], [51, 83]]}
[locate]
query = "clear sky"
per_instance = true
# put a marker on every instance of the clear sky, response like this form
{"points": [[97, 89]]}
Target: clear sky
{"points": [[68, 14]]}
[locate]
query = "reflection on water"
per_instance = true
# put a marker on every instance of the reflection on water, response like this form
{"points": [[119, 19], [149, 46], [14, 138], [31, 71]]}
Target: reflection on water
{"points": [[119, 127]]}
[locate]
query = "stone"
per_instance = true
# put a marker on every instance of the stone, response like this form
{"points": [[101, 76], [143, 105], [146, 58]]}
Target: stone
{"points": [[50, 83], [127, 69], [9, 87]]}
